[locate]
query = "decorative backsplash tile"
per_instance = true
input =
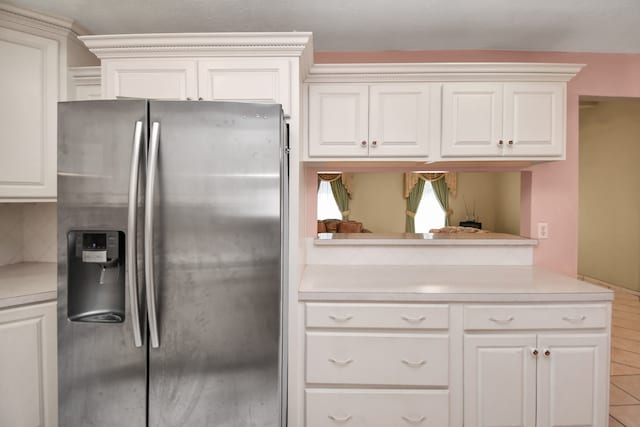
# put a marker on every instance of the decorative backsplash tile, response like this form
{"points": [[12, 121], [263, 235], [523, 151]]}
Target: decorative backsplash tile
{"points": [[27, 232]]}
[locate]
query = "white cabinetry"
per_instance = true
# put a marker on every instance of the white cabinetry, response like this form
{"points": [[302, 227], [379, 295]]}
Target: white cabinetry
{"points": [[28, 366], [243, 67], [36, 51], [438, 112], [397, 375], [549, 377], [510, 120], [85, 83], [150, 78], [384, 120], [29, 87]]}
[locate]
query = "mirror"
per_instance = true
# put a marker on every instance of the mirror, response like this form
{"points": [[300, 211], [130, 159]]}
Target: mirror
{"points": [[487, 200]]}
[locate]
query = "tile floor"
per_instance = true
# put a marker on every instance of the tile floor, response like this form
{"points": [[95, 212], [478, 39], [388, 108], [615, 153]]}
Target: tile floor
{"points": [[625, 362]]}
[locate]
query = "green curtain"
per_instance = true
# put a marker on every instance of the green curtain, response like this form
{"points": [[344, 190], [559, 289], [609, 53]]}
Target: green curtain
{"points": [[341, 196], [442, 194], [412, 206]]}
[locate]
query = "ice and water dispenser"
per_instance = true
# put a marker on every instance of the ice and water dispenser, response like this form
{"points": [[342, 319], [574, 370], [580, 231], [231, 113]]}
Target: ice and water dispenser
{"points": [[96, 276]]}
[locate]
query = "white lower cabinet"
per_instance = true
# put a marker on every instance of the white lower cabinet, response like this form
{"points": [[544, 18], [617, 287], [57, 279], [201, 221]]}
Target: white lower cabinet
{"points": [[573, 380], [457, 364], [537, 379], [28, 366], [377, 408], [499, 380]]}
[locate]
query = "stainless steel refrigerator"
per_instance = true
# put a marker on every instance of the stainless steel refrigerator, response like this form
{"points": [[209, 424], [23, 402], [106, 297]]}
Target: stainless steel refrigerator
{"points": [[171, 264]]}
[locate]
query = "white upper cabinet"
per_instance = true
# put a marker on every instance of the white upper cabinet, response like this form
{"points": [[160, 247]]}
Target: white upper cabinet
{"points": [[503, 120], [534, 119], [242, 67], [378, 120], [85, 83], [438, 112], [339, 120], [472, 119], [36, 51], [29, 87], [150, 78], [257, 80]]}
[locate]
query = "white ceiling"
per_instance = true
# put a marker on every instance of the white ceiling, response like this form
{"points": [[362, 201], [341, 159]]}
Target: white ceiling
{"points": [[556, 25]]}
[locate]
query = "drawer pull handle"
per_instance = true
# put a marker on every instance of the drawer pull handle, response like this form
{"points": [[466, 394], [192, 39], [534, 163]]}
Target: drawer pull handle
{"points": [[340, 362], [414, 364], [576, 319], [413, 319], [412, 420], [503, 321], [340, 318], [340, 419]]}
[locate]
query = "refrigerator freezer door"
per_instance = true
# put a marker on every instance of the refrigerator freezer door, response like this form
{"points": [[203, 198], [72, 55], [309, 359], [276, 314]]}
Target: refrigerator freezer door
{"points": [[217, 246], [101, 374]]}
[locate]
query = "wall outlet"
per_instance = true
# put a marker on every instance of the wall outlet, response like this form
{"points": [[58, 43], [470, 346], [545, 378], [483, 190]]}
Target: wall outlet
{"points": [[543, 230]]}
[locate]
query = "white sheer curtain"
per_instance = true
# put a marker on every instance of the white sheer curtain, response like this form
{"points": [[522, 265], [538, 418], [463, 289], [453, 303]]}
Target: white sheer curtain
{"points": [[327, 206], [430, 214]]}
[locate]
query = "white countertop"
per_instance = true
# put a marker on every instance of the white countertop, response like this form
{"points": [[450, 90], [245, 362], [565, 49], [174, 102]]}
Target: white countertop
{"points": [[444, 283], [27, 283], [422, 239]]}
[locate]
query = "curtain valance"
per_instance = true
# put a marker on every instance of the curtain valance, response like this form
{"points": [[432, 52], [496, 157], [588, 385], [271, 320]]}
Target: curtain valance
{"points": [[411, 179]]}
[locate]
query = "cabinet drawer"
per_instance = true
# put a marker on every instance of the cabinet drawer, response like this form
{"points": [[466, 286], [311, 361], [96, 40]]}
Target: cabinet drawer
{"points": [[377, 408], [377, 316], [377, 359], [534, 317]]}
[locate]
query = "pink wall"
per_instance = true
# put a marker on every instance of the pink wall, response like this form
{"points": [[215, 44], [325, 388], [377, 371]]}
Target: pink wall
{"points": [[550, 191]]}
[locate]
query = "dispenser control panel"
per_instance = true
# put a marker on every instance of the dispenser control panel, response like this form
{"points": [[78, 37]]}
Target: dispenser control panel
{"points": [[98, 247]]}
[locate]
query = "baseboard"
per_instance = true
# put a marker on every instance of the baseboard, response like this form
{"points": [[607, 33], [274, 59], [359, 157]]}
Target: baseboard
{"points": [[608, 285]]}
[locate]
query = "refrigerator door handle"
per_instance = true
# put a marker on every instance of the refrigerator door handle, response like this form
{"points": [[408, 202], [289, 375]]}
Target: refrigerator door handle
{"points": [[148, 234], [132, 253]]}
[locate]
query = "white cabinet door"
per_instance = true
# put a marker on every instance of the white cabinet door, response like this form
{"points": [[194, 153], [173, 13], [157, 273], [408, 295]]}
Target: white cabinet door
{"points": [[28, 366], [258, 80], [338, 120], [499, 380], [28, 108], [535, 116], [472, 120], [400, 120], [152, 78], [572, 380]]}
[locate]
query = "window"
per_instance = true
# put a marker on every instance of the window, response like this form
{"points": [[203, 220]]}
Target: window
{"points": [[327, 206], [430, 214]]}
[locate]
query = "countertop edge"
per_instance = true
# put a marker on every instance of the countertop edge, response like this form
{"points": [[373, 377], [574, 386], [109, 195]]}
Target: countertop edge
{"points": [[36, 298], [482, 297]]}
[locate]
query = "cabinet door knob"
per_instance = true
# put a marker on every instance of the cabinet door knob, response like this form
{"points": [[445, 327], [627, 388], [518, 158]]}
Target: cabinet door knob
{"points": [[374, 143], [414, 420], [501, 143], [547, 353], [363, 143], [534, 352], [510, 142], [340, 419]]}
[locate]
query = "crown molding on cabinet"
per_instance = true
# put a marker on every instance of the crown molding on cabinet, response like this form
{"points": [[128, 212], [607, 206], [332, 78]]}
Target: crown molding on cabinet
{"points": [[86, 75], [39, 21], [442, 72], [199, 44]]}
